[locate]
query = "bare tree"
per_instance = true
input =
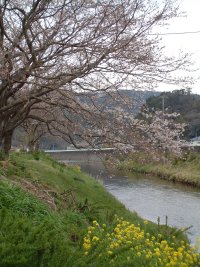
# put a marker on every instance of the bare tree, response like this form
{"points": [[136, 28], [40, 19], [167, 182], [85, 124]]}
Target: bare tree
{"points": [[53, 50]]}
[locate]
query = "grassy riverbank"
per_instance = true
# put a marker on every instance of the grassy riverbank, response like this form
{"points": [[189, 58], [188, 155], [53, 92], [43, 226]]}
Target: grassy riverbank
{"points": [[185, 170], [54, 215]]}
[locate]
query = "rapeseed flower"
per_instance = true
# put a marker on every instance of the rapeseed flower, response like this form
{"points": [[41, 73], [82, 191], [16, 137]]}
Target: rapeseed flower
{"points": [[128, 242]]}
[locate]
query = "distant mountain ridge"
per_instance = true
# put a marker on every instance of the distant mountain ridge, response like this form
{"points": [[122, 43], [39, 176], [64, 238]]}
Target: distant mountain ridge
{"points": [[112, 99]]}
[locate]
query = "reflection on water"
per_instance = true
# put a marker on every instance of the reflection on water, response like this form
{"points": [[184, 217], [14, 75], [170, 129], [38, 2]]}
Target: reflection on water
{"points": [[152, 197]]}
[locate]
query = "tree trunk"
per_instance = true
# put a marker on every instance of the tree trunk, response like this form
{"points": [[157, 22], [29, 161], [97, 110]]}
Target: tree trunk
{"points": [[33, 146], [1, 142], [7, 141], [1, 134]]}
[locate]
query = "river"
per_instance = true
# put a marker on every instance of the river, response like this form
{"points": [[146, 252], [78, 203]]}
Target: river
{"points": [[152, 197]]}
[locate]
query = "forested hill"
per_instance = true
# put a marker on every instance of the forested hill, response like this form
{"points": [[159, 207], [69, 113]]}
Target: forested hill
{"points": [[112, 99], [183, 102]]}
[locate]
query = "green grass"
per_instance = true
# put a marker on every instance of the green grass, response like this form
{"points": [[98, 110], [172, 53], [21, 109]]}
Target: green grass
{"points": [[185, 170], [46, 208], [68, 179]]}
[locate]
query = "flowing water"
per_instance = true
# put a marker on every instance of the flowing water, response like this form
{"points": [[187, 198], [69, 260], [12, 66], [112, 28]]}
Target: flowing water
{"points": [[152, 197]]}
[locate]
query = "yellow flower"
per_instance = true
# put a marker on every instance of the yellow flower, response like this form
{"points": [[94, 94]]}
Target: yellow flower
{"points": [[95, 238], [132, 238], [95, 223]]}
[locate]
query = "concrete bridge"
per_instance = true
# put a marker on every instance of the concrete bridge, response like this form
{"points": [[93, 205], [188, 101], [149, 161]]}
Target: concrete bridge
{"points": [[80, 154]]}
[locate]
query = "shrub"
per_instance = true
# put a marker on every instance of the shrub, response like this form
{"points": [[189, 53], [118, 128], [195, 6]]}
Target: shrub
{"points": [[25, 243]]}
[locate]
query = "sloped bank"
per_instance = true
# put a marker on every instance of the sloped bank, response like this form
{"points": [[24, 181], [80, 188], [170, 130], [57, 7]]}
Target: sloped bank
{"points": [[185, 170], [55, 215]]}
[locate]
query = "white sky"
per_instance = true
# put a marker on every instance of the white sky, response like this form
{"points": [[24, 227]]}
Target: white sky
{"points": [[188, 43]]}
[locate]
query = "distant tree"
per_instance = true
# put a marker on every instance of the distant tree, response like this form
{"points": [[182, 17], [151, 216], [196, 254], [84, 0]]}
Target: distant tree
{"points": [[53, 50]]}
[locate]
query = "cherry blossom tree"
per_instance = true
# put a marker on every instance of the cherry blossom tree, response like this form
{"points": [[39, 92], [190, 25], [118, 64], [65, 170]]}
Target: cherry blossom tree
{"points": [[51, 51], [162, 132]]}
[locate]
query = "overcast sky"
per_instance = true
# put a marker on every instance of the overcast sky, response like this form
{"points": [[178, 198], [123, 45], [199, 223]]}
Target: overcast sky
{"points": [[188, 43]]}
